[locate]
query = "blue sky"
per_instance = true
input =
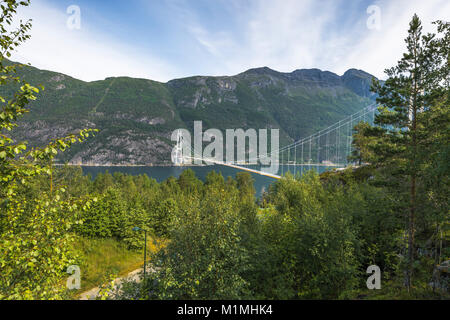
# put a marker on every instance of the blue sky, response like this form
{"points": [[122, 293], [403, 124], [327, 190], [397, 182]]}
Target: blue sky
{"points": [[166, 39]]}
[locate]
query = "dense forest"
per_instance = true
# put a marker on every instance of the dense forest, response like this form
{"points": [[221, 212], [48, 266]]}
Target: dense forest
{"points": [[307, 237]]}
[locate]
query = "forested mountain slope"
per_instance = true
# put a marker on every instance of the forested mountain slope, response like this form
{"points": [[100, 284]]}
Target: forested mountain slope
{"points": [[137, 116]]}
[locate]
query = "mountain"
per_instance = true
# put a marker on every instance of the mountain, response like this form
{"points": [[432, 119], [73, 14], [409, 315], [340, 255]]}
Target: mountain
{"points": [[137, 116]]}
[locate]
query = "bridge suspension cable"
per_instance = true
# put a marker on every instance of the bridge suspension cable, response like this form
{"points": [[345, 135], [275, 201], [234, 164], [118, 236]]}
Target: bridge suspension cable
{"points": [[330, 148]]}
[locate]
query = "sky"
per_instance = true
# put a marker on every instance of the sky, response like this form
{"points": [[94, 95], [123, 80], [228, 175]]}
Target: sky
{"points": [[167, 39]]}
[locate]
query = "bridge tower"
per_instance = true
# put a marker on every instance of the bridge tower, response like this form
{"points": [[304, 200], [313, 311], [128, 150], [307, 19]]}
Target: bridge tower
{"points": [[177, 151]]}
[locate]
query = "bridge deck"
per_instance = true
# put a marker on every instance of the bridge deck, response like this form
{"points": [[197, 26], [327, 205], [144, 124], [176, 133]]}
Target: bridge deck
{"points": [[239, 167]]}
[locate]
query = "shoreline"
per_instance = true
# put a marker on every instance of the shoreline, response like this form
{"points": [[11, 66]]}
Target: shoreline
{"points": [[125, 165]]}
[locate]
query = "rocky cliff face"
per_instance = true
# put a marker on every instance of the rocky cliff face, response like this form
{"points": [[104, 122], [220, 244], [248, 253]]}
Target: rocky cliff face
{"points": [[137, 116], [359, 82]]}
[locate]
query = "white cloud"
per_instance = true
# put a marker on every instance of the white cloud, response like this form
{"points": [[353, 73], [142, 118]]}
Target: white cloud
{"points": [[379, 50], [84, 54], [291, 34], [278, 34], [283, 35]]}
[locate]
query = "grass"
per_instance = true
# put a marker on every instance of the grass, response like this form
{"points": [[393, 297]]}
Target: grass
{"points": [[102, 257], [391, 290]]}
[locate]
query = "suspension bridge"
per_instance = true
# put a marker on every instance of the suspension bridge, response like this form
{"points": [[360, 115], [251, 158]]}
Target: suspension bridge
{"points": [[326, 149]]}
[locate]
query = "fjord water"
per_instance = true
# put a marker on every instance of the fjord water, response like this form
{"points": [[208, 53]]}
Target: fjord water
{"points": [[162, 173]]}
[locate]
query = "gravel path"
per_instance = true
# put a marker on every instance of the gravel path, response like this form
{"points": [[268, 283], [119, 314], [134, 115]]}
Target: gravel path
{"points": [[133, 275]]}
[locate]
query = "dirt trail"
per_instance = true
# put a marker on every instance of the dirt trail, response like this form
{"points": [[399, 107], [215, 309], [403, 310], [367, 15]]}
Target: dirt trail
{"points": [[133, 275]]}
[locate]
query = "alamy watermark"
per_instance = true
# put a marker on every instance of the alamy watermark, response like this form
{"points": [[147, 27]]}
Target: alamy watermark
{"points": [[374, 20], [236, 145], [374, 281], [74, 280], [74, 20]]}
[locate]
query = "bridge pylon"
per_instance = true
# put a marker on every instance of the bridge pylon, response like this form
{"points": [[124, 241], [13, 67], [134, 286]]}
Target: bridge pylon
{"points": [[177, 151]]}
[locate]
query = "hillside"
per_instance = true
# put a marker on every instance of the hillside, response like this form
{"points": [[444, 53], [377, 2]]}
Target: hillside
{"points": [[137, 116]]}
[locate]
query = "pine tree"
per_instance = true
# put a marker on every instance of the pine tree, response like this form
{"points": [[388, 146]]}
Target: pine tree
{"points": [[360, 144], [406, 99]]}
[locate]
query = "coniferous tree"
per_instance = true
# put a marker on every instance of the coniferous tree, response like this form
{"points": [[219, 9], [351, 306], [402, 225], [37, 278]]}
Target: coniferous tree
{"points": [[360, 144], [407, 99]]}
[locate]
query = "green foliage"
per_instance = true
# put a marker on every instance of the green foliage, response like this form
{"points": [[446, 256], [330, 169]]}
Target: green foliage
{"points": [[310, 237], [410, 135], [204, 258], [107, 287], [360, 144], [34, 249], [317, 235], [97, 257], [34, 237]]}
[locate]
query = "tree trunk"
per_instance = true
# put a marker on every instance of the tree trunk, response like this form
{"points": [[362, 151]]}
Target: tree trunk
{"points": [[412, 212], [412, 209]]}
